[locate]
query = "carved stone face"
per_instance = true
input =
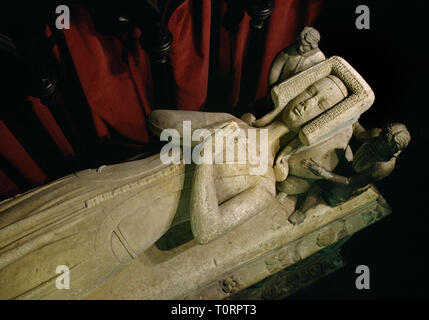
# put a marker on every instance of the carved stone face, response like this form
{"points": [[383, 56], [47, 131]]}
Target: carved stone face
{"points": [[304, 47], [392, 139], [307, 40], [386, 148], [317, 98]]}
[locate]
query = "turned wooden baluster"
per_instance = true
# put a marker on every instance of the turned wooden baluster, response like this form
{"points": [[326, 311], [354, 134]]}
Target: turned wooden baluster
{"points": [[157, 40], [259, 12], [161, 71]]}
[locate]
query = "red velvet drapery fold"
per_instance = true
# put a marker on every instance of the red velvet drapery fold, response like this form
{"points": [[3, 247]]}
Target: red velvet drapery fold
{"points": [[113, 94], [119, 91], [190, 53]]}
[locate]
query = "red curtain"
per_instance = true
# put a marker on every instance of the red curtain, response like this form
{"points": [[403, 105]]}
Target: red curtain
{"points": [[119, 91]]}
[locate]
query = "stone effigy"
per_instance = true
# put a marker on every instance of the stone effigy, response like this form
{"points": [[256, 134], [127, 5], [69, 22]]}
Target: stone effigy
{"points": [[151, 228]]}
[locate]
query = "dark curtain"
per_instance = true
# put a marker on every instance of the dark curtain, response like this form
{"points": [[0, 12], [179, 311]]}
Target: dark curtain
{"points": [[210, 70]]}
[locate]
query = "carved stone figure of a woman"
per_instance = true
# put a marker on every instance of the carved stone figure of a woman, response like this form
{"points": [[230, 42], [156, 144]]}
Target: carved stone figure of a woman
{"points": [[96, 221]]}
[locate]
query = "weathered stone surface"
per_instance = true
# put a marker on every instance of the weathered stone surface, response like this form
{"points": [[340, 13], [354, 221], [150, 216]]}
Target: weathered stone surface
{"points": [[288, 281], [250, 254]]}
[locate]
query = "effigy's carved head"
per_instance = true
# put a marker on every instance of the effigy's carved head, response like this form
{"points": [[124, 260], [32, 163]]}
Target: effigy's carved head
{"points": [[307, 40], [317, 98]]}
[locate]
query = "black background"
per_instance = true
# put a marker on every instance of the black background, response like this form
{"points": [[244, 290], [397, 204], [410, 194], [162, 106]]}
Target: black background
{"points": [[393, 58]]}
